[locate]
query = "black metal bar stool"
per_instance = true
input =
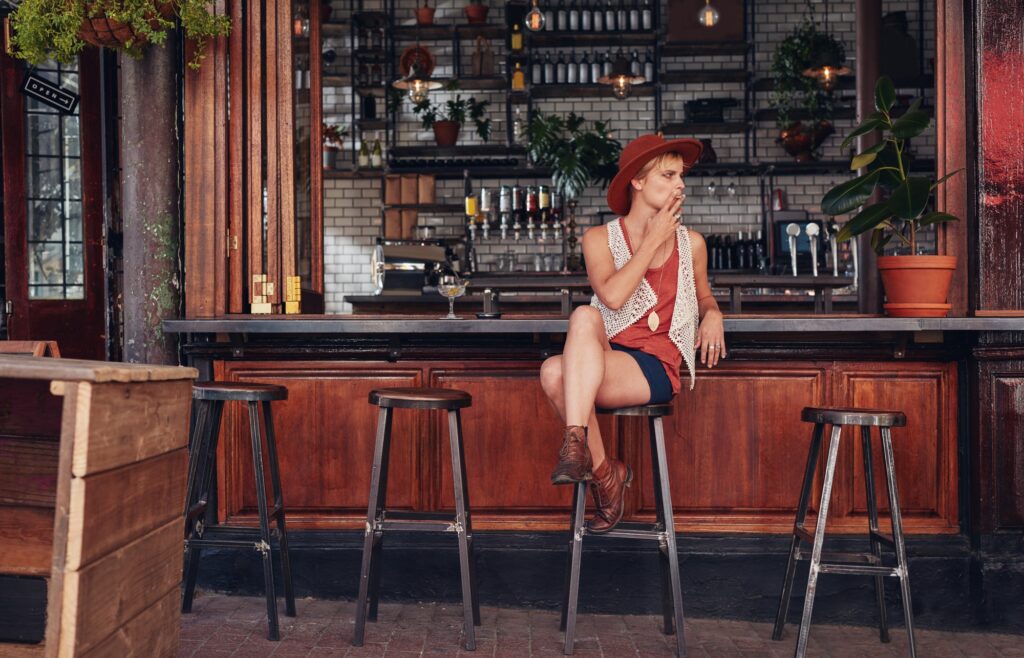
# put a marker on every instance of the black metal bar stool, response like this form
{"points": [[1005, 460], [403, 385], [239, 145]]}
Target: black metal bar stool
{"points": [[379, 519], [866, 564], [662, 531], [210, 398]]}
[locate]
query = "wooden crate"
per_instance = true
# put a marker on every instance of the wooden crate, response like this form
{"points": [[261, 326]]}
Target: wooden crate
{"points": [[93, 460]]}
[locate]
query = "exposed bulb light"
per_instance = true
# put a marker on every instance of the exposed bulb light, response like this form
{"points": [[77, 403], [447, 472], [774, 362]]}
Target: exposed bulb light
{"points": [[535, 19], [417, 84], [708, 15], [621, 78]]}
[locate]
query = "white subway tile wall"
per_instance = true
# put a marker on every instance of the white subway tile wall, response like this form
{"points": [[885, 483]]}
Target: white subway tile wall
{"points": [[352, 217]]}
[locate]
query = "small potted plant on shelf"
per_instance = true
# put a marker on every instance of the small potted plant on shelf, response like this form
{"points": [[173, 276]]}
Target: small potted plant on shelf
{"points": [[425, 14], [334, 140], [915, 285], [446, 119], [60, 29], [794, 92], [577, 157], [476, 11]]}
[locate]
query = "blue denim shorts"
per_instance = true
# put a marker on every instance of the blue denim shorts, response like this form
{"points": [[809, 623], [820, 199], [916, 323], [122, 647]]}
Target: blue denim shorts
{"points": [[654, 373]]}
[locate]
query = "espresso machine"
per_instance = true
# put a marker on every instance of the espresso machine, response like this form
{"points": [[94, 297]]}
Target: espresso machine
{"points": [[403, 267]]}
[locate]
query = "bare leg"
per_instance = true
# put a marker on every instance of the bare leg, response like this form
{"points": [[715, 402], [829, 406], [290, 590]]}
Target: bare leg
{"points": [[583, 365]]}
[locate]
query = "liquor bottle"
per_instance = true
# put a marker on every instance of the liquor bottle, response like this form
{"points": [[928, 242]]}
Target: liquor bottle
{"points": [[536, 73], [363, 159], [516, 40], [560, 69], [634, 16], [609, 16], [606, 65], [727, 253], [597, 17], [622, 16], [584, 74], [376, 75], [518, 126], [563, 16], [649, 66], [376, 155], [712, 245], [596, 71], [469, 199], [586, 18], [574, 16], [635, 67], [363, 75], [740, 247], [572, 70], [646, 15], [760, 253], [518, 78], [549, 18], [549, 70]]}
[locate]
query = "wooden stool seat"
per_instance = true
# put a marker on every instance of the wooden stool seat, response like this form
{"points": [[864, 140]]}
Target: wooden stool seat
{"points": [[847, 563], [242, 391], [420, 398], [662, 532], [851, 416]]}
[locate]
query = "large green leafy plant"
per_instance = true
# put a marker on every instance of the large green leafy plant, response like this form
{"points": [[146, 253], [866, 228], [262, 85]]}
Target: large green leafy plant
{"points": [[45, 29], [577, 156], [901, 214]]}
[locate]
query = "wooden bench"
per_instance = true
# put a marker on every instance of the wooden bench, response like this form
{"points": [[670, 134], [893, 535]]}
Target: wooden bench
{"points": [[30, 347], [92, 483]]}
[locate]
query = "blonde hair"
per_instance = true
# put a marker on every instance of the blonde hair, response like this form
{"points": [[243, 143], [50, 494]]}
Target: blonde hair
{"points": [[655, 163]]}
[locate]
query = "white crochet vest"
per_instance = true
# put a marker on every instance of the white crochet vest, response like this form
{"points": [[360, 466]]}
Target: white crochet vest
{"points": [[685, 312]]}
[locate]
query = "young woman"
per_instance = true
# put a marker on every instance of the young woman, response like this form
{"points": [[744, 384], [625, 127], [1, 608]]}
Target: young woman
{"points": [[652, 310]]}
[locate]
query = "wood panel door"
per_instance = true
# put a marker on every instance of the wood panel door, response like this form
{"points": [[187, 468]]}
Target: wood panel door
{"points": [[736, 447], [998, 449], [53, 210], [325, 437]]}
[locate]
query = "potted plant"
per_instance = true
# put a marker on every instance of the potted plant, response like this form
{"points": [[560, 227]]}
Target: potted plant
{"points": [[792, 91], [476, 11], [333, 139], [446, 119], [60, 29], [915, 285], [577, 156], [425, 14]]}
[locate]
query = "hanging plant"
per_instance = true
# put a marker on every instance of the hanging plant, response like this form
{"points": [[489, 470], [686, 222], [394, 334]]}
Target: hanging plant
{"points": [[792, 90], [60, 29]]}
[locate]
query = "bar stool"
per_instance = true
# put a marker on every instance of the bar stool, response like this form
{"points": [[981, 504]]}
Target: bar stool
{"points": [[662, 530], [867, 564], [211, 397], [379, 519]]}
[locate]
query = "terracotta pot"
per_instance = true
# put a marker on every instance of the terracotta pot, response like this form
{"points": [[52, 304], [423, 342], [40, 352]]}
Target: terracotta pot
{"points": [[109, 33], [916, 286], [800, 140], [446, 132], [476, 13], [330, 157], [425, 15]]}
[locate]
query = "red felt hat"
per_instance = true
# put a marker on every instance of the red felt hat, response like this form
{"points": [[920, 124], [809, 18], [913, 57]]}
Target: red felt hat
{"points": [[638, 153]]}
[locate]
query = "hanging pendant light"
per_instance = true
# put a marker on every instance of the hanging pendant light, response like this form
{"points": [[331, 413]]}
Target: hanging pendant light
{"points": [[827, 58], [621, 78], [416, 83], [708, 15], [535, 19]]}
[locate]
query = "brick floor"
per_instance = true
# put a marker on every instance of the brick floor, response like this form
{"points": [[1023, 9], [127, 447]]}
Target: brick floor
{"points": [[236, 626]]}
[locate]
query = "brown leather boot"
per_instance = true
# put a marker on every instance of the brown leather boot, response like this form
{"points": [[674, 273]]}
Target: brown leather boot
{"points": [[609, 490], [574, 458]]}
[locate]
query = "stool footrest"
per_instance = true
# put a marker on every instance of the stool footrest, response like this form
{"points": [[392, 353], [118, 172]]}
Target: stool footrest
{"points": [[836, 557], [419, 525], [256, 543], [858, 569], [634, 530], [804, 534], [403, 515], [195, 511]]}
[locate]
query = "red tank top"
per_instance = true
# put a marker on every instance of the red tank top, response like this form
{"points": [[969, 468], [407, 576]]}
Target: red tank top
{"points": [[638, 336]]}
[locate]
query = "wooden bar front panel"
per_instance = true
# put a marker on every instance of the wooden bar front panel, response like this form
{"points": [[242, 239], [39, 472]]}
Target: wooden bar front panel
{"points": [[736, 445]]}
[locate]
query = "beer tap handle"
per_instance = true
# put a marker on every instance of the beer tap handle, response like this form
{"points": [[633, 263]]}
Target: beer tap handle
{"points": [[792, 230], [812, 233]]}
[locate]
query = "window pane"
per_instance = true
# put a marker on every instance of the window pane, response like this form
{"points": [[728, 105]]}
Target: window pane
{"points": [[73, 178], [71, 134], [43, 134], [75, 265], [73, 225], [46, 263], [45, 292], [44, 178], [45, 220]]}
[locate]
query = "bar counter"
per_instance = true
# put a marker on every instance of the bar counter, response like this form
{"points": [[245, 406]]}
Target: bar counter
{"points": [[736, 445]]}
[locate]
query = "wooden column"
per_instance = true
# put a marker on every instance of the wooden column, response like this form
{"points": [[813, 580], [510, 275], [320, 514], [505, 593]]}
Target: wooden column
{"points": [[869, 30]]}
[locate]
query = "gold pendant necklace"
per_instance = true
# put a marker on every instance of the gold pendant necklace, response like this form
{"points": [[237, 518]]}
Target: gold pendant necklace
{"points": [[653, 321]]}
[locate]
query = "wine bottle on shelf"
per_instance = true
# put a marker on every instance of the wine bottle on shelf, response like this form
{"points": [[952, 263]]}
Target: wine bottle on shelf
{"points": [[574, 16], [586, 17], [634, 16], [560, 69], [549, 18], [584, 74], [727, 253], [516, 39], [741, 251], [646, 15], [563, 16], [649, 66], [595, 69], [622, 16], [635, 67], [760, 253], [518, 78], [609, 16], [596, 17], [363, 158], [572, 70], [376, 75], [549, 69], [376, 155], [536, 72], [606, 64]]}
